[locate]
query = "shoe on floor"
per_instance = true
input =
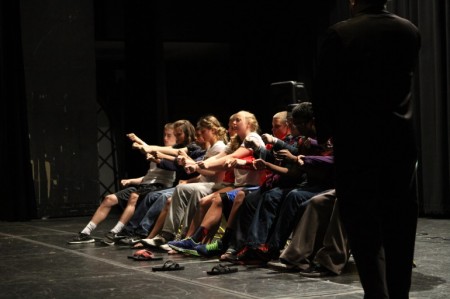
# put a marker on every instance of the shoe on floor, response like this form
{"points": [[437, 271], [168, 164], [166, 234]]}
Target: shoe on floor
{"points": [[266, 253], [167, 248], [247, 253], [131, 240], [187, 245], [212, 249], [283, 267], [251, 256], [81, 238], [316, 271], [157, 241], [229, 256], [111, 238]]}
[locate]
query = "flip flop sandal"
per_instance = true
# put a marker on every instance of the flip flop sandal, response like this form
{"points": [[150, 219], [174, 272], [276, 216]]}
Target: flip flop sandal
{"points": [[222, 269], [169, 266], [144, 255]]}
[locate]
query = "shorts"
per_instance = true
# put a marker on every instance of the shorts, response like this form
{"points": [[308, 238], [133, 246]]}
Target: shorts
{"points": [[228, 198], [142, 190]]}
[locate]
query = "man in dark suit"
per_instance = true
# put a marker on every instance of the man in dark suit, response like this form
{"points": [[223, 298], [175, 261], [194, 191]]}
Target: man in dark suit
{"points": [[362, 99]]}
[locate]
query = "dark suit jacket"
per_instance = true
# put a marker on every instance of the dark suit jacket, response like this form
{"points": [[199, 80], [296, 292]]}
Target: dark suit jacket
{"points": [[362, 91]]}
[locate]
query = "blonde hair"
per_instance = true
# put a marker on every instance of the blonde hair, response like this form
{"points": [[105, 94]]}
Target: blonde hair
{"points": [[212, 123], [250, 118], [281, 115], [168, 126]]}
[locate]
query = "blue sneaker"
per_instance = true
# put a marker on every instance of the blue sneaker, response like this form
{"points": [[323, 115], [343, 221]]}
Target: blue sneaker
{"points": [[185, 246], [212, 249]]}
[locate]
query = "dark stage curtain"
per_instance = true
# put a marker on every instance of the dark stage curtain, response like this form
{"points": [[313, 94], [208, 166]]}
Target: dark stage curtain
{"points": [[17, 201], [433, 101]]}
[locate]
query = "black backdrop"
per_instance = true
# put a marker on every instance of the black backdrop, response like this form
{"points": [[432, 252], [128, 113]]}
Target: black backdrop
{"points": [[256, 51]]}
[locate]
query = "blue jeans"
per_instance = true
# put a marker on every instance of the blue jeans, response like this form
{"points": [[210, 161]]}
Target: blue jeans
{"points": [[256, 216], [147, 212], [290, 212]]}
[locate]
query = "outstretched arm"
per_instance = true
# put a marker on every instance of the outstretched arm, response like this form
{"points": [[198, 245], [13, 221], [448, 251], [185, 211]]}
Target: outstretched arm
{"points": [[219, 161], [133, 137], [168, 150]]}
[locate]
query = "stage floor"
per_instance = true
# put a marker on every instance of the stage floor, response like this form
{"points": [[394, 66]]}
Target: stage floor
{"points": [[36, 262]]}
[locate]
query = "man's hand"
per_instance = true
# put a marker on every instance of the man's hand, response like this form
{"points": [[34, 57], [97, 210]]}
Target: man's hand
{"points": [[202, 165], [300, 160], [125, 183], [252, 144], [259, 164], [284, 155], [191, 168], [135, 139], [181, 160], [233, 162], [267, 138]]}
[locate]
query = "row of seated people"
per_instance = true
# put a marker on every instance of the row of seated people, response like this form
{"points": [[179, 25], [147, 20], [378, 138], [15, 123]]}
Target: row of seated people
{"points": [[269, 188]]}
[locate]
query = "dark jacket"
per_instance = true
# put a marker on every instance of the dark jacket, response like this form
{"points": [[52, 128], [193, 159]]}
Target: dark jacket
{"points": [[362, 89]]}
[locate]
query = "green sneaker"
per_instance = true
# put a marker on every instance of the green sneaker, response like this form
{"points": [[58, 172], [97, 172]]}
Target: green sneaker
{"points": [[212, 249]]}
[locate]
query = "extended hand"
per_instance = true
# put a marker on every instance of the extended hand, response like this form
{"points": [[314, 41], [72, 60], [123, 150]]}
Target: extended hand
{"points": [[267, 138], [259, 164]]}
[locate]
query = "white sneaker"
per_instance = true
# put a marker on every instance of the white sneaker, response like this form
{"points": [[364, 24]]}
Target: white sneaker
{"points": [[165, 247], [157, 241]]}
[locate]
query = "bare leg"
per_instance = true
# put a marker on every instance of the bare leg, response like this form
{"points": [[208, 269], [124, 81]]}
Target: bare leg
{"points": [[205, 203], [160, 221], [238, 200], [103, 210], [214, 214], [213, 217], [130, 208]]}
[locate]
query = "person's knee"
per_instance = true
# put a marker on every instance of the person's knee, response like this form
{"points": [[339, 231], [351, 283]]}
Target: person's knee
{"points": [[205, 202], [322, 200], [110, 200], [132, 200], [239, 197], [217, 199]]}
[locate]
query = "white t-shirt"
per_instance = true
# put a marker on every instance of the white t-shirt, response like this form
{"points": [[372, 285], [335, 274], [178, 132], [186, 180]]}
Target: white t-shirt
{"points": [[215, 149]]}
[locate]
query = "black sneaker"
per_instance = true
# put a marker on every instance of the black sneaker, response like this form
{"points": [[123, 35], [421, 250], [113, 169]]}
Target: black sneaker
{"points": [[81, 239], [111, 238], [131, 240], [316, 271]]}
